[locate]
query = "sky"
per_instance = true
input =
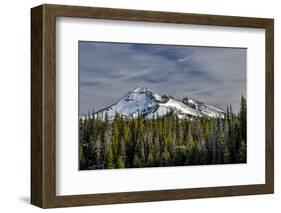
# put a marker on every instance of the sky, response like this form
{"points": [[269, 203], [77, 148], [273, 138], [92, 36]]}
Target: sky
{"points": [[107, 71]]}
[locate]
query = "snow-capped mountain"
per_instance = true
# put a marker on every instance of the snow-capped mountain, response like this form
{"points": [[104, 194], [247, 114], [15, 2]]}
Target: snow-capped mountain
{"points": [[142, 101]]}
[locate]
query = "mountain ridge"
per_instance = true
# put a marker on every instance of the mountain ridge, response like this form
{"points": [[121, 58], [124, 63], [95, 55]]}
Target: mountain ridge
{"points": [[142, 101]]}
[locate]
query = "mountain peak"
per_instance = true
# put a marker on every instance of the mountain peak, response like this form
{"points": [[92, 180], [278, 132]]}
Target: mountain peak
{"points": [[139, 89], [142, 101]]}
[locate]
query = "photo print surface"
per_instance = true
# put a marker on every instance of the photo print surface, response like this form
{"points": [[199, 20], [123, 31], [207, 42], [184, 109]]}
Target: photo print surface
{"points": [[155, 105]]}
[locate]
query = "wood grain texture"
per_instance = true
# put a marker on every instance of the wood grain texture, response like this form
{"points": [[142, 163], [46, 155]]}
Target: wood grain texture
{"points": [[269, 119], [36, 106], [43, 105]]}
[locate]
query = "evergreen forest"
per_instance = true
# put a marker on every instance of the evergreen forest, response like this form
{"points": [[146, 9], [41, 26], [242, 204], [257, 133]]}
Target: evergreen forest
{"points": [[162, 141]]}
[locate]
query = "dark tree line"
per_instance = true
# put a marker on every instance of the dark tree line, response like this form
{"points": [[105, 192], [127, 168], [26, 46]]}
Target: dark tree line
{"points": [[162, 141]]}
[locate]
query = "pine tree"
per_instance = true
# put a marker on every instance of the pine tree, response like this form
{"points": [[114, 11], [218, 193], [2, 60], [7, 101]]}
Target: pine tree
{"points": [[150, 161], [121, 154], [220, 143], [243, 119], [190, 149], [165, 157], [232, 135], [82, 160], [115, 138], [227, 148], [109, 159], [106, 146], [242, 156], [136, 162], [120, 162], [90, 152], [97, 154], [156, 150], [213, 142]]}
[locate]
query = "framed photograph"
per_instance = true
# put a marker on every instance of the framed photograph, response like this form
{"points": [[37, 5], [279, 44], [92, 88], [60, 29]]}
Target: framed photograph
{"points": [[136, 106]]}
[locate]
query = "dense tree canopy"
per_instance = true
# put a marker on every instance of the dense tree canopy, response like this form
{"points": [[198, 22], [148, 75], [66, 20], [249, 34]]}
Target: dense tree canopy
{"points": [[162, 141]]}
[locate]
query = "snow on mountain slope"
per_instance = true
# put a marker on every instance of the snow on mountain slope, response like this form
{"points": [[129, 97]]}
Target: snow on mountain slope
{"points": [[139, 100], [142, 101], [205, 109], [173, 106]]}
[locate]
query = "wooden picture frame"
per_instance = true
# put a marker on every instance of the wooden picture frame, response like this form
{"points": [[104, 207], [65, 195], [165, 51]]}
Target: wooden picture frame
{"points": [[43, 105]]}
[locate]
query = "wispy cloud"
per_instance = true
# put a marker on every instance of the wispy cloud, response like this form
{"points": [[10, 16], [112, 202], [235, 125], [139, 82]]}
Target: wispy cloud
{"points": [[108, 70]]}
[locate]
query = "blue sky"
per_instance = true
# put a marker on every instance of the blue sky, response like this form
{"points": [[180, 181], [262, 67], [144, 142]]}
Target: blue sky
{"points": [[107, 71]]}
